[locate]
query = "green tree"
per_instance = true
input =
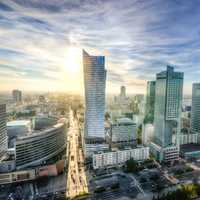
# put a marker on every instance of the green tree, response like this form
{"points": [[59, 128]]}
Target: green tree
{"points": [[131, 165]]}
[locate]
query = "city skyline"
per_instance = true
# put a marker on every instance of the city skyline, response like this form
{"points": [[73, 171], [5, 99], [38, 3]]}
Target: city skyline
{"points": [[138, 38]]}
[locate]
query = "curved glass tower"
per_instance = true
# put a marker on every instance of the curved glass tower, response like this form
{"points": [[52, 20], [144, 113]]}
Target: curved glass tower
{"points": [[95, 83]]}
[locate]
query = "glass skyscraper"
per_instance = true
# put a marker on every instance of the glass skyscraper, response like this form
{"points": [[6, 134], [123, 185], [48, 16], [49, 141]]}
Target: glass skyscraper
{"points": [[3, 132], [168, 100], [95, 83], [150, 98], [195, 114]]}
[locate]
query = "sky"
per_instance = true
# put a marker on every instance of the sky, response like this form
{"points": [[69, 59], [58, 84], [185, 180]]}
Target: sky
{"points": [[41, 42]]}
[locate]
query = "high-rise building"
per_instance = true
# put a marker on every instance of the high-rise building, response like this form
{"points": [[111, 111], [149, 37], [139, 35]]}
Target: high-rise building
{"points": [[95, 83], [123, 91], [17, 96], [3, 133], [195, 113], [122, 102], [150, 99], [168, 101], [169, 90], [123, 132]]}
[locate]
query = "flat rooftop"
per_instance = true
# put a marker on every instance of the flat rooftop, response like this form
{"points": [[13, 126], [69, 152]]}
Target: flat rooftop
{"points": [[19, 123], [189, 148]]}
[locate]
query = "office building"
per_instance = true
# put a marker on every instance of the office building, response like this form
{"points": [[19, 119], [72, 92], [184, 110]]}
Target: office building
{"points": [[195, 113], [17, 128], [109, 159], [17, 96], [95, 83], [123, 132], [147, 134], [38, 147], [123, 91], [150, 100], [122, 102], [168, 101], [3, 133]]}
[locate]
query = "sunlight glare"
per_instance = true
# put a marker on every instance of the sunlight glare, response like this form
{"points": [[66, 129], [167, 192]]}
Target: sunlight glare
{"points": [[73, 60]]}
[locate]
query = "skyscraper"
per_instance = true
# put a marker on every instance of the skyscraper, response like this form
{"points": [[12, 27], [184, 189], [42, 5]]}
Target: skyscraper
{"points": [[195, 113], [17, 96], [168, 100], [95, 83], [123, 91], [169, 89], [3, 133], [150, 100]]}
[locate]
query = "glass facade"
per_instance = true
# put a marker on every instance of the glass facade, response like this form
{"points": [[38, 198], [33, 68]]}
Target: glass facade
{"points": [[168, 100], [195, 114], [95, 83], [3, 133]]}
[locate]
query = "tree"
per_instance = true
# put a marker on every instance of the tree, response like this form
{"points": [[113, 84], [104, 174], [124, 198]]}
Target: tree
{"points": [[131, 165]]}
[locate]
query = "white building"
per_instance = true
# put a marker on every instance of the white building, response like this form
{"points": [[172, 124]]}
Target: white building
{"points": [[147, 133], [188, 138], [102, 160], [167, 154]]}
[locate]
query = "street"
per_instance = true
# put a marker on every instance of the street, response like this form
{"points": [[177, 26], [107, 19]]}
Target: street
{"points": [[76, 177]]}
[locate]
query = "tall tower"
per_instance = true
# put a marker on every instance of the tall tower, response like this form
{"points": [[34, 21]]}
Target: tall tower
{"points": [[3, 133], [95, 83], [167, 114], [195, 113], [150, 99], [168, 101], [123, 91], [17, 96]]}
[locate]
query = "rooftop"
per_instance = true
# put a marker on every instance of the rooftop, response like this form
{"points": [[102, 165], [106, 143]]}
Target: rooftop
{"points": [[125, 121], [189, 147], [18, 123]]}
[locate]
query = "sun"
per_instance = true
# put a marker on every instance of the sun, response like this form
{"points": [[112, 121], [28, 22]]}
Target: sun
{"points": [[73, 60]]}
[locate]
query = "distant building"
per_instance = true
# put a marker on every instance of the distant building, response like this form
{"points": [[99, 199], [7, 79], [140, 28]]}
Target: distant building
{"points": [[3, 133], [195, 113], [95, 83], [123, 132], [122, 101], [150, 99], [167, 115], [123, 91], [108, 159], [17, 96]]}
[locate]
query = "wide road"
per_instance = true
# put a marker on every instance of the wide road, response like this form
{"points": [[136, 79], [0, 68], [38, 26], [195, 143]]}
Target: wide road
{"points": [[76, 177]]}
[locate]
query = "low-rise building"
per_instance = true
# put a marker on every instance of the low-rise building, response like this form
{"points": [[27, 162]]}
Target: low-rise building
{"points": [[167, 154], [18, 176], [190, 138], [106, 159], [190, 151]]}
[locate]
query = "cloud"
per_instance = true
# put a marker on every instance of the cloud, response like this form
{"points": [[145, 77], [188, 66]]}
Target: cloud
{"points": [[139, 38]]}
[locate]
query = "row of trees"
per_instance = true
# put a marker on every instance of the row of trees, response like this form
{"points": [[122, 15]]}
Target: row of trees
{"points": [[185, 192]]}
